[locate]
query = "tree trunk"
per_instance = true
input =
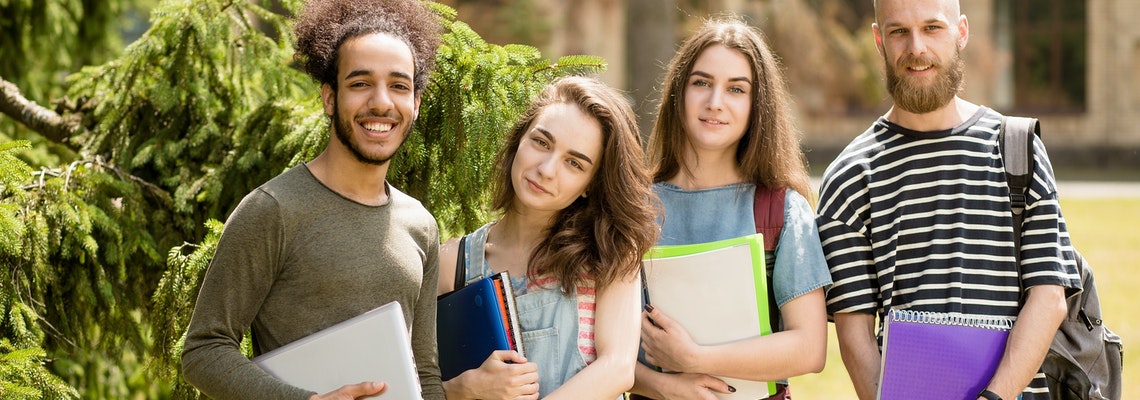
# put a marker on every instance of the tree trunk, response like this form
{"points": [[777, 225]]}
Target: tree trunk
{"points": [[650, 43]]}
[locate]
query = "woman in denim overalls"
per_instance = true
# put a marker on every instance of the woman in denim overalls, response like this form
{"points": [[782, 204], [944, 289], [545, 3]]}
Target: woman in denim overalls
{"points": [[578, 214]]}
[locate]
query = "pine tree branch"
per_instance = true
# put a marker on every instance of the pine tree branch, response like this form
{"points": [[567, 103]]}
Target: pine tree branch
{"points": [[156, 192], [47, 123]]}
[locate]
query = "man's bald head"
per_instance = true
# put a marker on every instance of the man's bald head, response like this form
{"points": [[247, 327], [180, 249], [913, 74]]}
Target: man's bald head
{"points": [[951, 8]]}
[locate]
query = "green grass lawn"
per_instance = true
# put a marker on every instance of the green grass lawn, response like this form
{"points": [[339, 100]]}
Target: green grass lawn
{"points": [[1107, 232]]}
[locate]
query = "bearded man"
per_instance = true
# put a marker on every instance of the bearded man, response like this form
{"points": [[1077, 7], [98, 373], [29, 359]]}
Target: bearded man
{"points": [[915, 212]]}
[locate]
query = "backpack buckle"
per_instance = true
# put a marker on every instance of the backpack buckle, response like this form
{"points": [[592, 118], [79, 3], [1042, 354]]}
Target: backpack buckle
{"points": [[1017, 200]]}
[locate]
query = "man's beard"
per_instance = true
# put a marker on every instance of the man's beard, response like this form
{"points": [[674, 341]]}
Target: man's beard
{"points": [[343, 130], [920, 99]]}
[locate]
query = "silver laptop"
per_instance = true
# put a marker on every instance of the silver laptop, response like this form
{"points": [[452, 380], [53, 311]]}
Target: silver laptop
{"points": [[373, 346]]}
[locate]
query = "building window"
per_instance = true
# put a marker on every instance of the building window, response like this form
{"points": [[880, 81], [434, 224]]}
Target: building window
{"points": [[1050, 57]]}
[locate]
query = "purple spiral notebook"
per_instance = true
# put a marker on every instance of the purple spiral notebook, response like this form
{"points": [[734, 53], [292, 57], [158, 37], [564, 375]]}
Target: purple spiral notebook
{"points": [[930, 355]]}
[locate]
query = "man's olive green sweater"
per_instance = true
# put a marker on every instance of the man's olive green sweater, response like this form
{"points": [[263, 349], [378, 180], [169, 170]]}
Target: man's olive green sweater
{"points": [[296, 257]]}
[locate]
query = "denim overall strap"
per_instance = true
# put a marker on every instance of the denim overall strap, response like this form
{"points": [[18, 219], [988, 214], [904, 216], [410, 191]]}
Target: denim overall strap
{"points": [[557, 329]]}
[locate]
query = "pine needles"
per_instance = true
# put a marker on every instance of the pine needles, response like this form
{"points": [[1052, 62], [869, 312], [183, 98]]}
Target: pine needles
{"points": [[200, 110]]}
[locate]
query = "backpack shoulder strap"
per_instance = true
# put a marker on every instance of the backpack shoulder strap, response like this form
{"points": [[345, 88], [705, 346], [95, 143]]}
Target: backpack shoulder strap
{"points": [[768, 210], [461, 265], [1016, 141]]}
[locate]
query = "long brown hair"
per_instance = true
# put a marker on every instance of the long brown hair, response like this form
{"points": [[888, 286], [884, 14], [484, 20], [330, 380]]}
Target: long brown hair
{"points": [[601, 236], [769, 153]]}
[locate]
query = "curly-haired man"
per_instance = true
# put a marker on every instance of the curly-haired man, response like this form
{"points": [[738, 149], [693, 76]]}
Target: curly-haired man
{"points": [[329, 239]]}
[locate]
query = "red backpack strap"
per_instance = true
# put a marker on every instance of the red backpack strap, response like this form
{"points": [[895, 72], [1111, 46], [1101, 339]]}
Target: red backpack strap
{"points": [[768, 209]]}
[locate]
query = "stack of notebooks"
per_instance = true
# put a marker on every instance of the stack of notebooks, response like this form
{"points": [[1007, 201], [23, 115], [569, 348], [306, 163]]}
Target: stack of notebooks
{"points": [[373, 346], [473, 322], [718, 292], [948, 356]]}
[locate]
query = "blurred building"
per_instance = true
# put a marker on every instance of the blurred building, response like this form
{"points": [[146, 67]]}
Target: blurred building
{"points": [[1075, 64]]}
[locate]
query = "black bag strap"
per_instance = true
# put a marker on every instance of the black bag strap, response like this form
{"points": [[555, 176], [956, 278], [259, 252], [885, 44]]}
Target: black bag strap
{"points": [[461, 265], [1015, 138]]}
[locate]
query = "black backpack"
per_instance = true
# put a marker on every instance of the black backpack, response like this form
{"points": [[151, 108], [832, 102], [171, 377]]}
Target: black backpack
{"points": [[1085, 360]]}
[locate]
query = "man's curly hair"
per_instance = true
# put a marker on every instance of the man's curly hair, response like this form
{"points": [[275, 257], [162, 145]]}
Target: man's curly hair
{"points": [[324, 25]]}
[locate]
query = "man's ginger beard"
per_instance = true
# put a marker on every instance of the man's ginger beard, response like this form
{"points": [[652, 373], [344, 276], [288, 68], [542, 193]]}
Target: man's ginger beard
{"points": [[921, 99]]}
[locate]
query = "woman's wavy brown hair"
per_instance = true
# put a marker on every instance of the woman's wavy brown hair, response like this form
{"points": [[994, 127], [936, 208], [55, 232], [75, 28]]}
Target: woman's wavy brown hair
{"points": [[323, 26], [769, 154], [601, 236]]}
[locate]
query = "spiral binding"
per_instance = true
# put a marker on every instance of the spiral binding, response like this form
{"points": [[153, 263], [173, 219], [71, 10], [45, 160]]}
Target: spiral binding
{"points": [[936, 318]]}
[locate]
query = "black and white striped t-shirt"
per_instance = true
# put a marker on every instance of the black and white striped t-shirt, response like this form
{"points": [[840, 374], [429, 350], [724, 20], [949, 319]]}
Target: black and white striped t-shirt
{"points": [[922, 221]]}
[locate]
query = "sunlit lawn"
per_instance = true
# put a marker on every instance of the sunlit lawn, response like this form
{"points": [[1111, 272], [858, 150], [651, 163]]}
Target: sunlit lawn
{"points": [[1107, 232]]}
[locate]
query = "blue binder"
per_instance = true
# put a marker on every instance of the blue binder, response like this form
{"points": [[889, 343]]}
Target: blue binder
{"points": [[470, 324]]}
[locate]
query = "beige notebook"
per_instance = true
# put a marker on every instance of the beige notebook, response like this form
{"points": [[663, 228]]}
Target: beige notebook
{"points": [[718, 292], [373, 346]]}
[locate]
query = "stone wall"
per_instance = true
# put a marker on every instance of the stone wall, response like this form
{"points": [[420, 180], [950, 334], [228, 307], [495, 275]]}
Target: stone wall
{"points": [[1105, 135]]}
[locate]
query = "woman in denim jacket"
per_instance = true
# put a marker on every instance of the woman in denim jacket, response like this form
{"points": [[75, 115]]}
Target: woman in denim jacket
{"points": [[723, 131]]}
